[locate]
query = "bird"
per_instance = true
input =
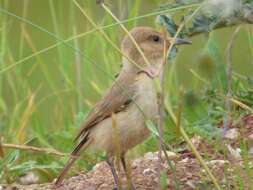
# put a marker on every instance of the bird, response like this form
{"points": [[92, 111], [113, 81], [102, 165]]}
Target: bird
{"points": [[117, 122]]}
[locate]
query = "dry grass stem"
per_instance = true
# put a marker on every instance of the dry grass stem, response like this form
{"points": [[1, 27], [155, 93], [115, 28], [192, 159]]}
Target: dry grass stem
{"points": [[34, 149], [127, 32], [229, 73], [1, 149], [176, 120], [98, 28], [240, 104]]}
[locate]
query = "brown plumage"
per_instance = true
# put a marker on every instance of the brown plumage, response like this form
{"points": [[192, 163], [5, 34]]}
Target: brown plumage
{"points": [[132, 100]]}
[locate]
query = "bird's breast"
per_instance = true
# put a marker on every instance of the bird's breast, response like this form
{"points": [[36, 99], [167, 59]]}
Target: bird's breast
{"points": [[146, 96], [130, 123]]}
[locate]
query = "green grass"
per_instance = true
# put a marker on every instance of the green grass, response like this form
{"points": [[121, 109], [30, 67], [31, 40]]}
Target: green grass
{"points": [[48, 83]]}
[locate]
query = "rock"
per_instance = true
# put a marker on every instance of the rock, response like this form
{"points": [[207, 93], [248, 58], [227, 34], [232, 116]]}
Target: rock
{"points": [[250, 137], [96, 166], [235, 153], [191, 184], [154, 155], [232, 134], [136, 163], [217, 162], [185, 160], [171, 155], [151, 156], [148, 171], [29, 178], [251, 151], [196, 141]]}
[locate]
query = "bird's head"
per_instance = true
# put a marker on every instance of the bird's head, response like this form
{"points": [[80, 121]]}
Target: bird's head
{"points": [[152, 44]]}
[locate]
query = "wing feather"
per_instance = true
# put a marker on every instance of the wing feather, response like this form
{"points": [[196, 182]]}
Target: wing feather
{"points": [[115, 100]]}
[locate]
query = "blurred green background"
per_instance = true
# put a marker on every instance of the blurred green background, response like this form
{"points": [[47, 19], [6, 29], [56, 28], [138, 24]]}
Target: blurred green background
{"points": [[44, 99]]}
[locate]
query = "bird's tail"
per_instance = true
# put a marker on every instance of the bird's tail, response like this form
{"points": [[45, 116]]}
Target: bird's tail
{"points": [[65, 170], [74, 156]]}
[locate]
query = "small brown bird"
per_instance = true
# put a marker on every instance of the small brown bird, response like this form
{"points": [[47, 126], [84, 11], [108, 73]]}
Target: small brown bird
{"points": [[127, 105]]}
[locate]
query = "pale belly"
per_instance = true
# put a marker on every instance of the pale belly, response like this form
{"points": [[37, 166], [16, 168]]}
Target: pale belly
{"points": [[128, 129]]}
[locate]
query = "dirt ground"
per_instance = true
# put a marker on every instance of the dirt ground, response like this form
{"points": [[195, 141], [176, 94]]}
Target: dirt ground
{"points": [[182, 171], [188, 174]]}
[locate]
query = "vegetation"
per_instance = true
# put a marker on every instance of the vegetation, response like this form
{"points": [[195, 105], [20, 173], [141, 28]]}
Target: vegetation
{"points": [[55, 64]]}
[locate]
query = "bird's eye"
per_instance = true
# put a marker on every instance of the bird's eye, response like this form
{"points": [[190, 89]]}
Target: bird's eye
{"points": [[156, 38]]}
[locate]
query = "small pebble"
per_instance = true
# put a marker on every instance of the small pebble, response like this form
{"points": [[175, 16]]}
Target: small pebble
{"points": [[148, 171], [232, 134]]}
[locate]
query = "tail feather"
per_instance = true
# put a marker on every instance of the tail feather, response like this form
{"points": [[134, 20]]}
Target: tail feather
{"points": [[74, 156], [65, 171]]}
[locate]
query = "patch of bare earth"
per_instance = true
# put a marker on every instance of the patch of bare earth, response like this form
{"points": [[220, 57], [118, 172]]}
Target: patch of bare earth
{"points": [[184, 170], [188, 174]]}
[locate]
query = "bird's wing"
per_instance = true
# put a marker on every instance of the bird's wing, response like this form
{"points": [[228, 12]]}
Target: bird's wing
{"points": [[116, 99]]}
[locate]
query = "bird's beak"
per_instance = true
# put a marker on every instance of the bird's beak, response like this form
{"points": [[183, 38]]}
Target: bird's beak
{"points": [[180, 41]]}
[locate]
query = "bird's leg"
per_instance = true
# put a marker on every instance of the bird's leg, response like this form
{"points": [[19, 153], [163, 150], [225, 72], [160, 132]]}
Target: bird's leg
{"points": [[110, 162], [123, 162]]}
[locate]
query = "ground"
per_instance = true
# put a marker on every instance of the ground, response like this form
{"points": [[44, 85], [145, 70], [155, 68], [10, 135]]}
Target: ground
{"points": [[188, 173], [229, 169]]}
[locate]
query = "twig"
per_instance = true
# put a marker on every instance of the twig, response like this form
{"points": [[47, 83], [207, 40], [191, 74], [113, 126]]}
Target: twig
{"points": [[116, 142], [160, 92], [161, 110], [182, 131], [242, 105], [26, 117], [172, 167], [227, 118], [1, 149], [34, 149], [78, 60]]}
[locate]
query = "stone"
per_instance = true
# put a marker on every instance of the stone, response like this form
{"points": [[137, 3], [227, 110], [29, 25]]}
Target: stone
{"points": [[232, 134]]}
